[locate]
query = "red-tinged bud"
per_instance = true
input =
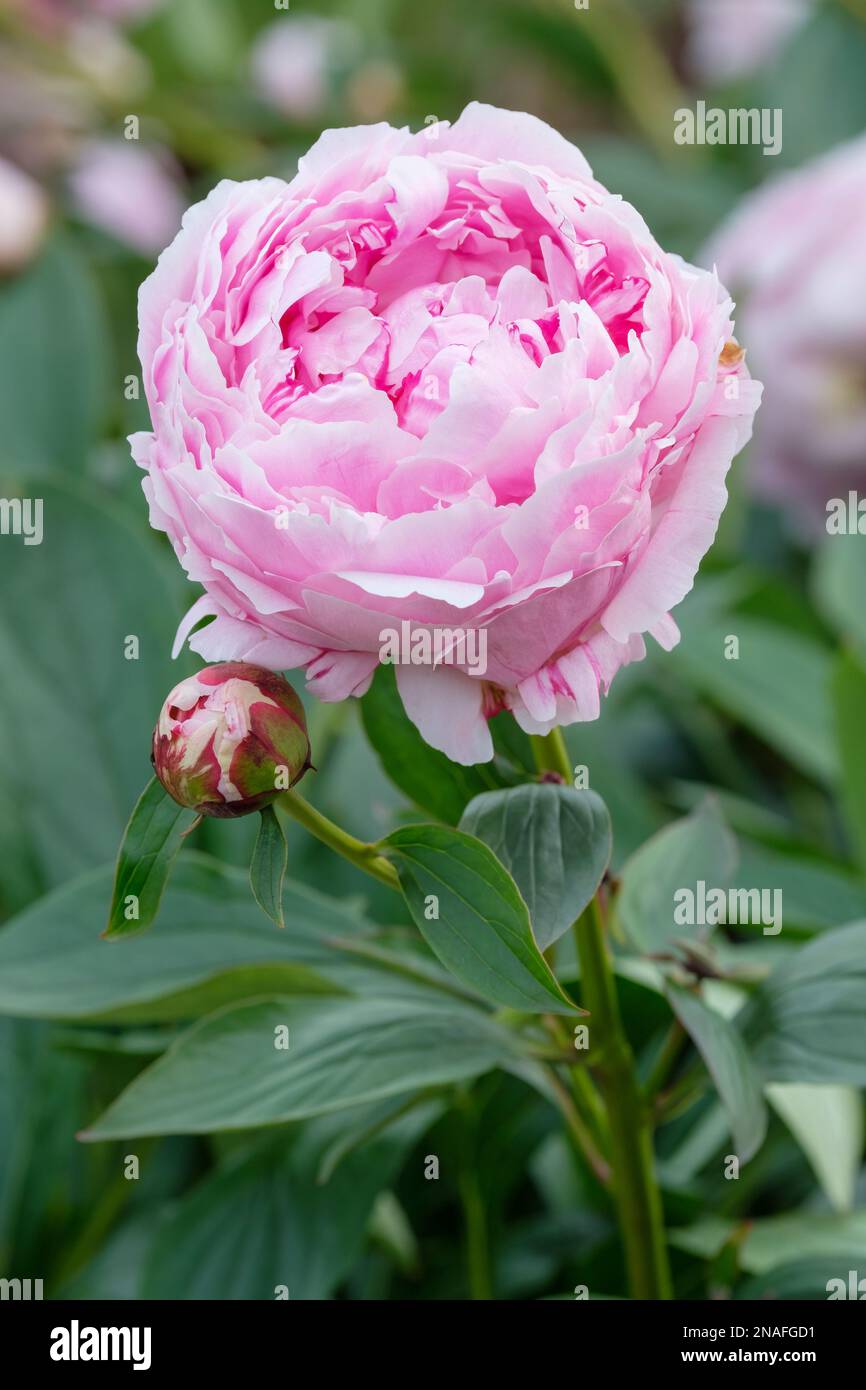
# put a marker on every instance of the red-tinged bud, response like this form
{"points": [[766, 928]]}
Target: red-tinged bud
{"points": [[230, 739]]}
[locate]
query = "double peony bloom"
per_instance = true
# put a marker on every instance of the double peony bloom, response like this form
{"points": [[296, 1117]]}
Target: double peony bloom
{"points": [[443, 379]]}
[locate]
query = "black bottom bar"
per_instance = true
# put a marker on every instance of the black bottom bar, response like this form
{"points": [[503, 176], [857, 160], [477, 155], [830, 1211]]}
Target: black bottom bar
{"points": [[239, 1338]]}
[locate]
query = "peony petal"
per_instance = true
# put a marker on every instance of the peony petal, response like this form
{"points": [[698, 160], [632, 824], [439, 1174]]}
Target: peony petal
{"points": [[446, 708], [486, 132]]}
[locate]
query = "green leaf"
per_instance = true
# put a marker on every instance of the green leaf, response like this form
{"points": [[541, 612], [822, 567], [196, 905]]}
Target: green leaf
{"points": [[266, 1220], [469, 910], [728, 1063], [52, 341], [778, 687], [114, 1272], [815, 894], [363, 1124], [849, 698], [698, 849], [707, 1131], [805, 1022], [426, 776], [150, 844], [776, 1240], [806, 1280], [834, 40], [827, 1123], [838, 586], [390, 1230], [43, 1095], [268, 867], [773, 1242], [233, 1071], [554, 841], [75, 719], [209, 946]]}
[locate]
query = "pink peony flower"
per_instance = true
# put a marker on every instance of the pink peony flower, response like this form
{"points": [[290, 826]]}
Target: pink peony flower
{"points": [[131, 192], [445, 380], [730, 39], [795, 249]]}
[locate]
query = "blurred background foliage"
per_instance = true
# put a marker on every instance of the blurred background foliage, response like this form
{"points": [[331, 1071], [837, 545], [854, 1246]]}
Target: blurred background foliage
{"points": [[226, 1216]]}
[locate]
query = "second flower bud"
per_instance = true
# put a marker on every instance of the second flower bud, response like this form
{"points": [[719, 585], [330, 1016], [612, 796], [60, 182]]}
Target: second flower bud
{"points": [[230, 739]]}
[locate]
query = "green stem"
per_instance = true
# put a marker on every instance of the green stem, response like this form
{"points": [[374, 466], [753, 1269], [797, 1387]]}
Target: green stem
{"points": [[668, 1105], [551, 754], [637, 1193], [587, 1101], [477, 1249], [579, 1130], [362, 855], [647, 86], [668, 1056], [472, 1202], [477, 1253], [630, 1144]]}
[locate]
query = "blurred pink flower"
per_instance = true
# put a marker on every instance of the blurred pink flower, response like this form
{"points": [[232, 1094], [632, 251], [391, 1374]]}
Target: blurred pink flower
{"points": [[443, 380], [124, 10], [794, 249], [129, 191], [729, 39], [23, 217], [53, 14], [294, 61]]}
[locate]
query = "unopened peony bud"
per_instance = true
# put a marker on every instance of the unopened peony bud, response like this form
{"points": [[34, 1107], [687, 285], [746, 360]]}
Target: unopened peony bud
{"points": [[230, 739]]}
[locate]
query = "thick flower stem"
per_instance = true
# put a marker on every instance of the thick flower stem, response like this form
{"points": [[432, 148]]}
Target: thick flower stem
{"points": [[630, 1145], [362, 855], [551, 754], [477, 1254], [478, 1266], [637, 1194]]}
